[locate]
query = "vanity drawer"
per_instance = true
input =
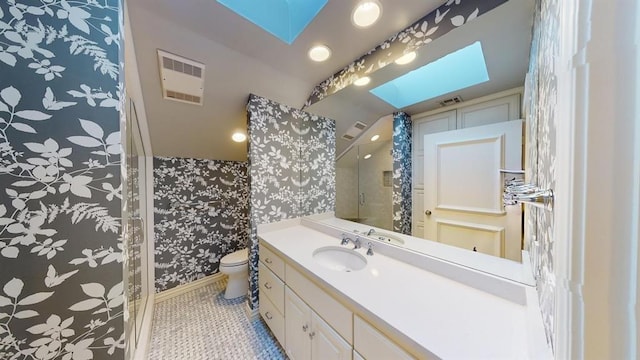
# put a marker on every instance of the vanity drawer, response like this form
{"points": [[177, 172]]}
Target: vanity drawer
{"points": [[330, 310], [273, 261], [273, 318], [374, 345], [271, 286]]}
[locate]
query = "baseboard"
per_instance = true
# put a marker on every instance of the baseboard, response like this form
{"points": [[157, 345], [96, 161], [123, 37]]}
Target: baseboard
{"points": [[251, 313], [182, 289]]}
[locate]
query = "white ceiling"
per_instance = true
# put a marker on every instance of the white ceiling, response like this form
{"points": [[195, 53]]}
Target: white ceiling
{"points": [[505, 34], [240, 59]]}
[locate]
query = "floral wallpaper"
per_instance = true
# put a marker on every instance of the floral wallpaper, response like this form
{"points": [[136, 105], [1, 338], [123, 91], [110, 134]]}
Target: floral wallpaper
{"points": [[401, 152], [200, 215], [452, 14], [541, 124], [291, 169], [61, 284]]}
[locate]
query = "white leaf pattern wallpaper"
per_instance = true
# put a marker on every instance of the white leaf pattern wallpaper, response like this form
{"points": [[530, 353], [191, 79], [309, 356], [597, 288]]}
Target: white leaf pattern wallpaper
{"points": [[401, 152], [61, 282], [291, 169], [200, 215], [541, 124]]}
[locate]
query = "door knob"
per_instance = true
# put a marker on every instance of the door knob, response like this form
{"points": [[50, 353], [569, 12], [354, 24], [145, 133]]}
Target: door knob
{"points": [[428, 212]]}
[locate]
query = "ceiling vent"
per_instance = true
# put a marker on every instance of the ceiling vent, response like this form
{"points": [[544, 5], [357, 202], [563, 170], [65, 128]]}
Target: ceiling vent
{"points": [[354, 131], [182, 79], [453, 100]]}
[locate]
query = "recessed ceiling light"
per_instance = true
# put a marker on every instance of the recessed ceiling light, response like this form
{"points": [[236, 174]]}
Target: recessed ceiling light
{"points": [[367, 156], [406, 58], [362, 81], [319, 53], [238, 137], [366, 13], [375, 137]]}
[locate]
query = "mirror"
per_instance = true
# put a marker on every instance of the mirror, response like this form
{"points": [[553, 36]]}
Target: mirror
{"points": [[505, 35]]}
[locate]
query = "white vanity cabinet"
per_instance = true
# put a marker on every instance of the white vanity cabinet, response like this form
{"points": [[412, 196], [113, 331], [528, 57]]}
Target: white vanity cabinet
{"points": [[308, 336], [371, 344], [270, 275], [310, 323]]}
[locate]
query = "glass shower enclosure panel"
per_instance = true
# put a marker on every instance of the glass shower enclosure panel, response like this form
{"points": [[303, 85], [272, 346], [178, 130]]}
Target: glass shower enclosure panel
{"points": [[375, 184], [364, 185], [136, 215]]}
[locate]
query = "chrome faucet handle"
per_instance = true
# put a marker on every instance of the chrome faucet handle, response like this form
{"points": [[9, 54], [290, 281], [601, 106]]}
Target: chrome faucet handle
{"points": [[356, 243], [371, 231], [369, 249], [345, 239]]}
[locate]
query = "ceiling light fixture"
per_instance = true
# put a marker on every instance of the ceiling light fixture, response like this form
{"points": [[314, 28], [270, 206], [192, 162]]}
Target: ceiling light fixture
{"points": [[406, 58], [362, 81], [366, 13], [367, 156], [375, 137], [319, 53], [238, 137]]}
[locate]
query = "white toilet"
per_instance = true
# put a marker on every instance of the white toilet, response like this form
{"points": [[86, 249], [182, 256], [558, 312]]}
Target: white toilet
{"points": [[236, 265]]}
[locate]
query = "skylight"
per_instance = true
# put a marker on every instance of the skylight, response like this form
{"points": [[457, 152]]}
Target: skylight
{"points": [[285, 19], [458, 70]]}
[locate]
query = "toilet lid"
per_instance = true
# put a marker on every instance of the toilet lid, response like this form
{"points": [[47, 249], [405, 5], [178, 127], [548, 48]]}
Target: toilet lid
{"points": [[236, 258]]}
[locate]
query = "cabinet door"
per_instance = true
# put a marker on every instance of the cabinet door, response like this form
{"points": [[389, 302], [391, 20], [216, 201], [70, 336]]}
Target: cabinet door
{"points": [[297, 317], [374, 345], [326, 343], [489, 112]]}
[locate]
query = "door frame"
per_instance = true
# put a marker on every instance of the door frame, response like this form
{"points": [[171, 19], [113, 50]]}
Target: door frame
{"points": [[597, 197]]}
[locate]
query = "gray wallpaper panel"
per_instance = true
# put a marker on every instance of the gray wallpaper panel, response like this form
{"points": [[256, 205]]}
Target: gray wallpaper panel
{"points": [[401, 151], [191, 234], [291, 169], [541, 123], [61, 284]]}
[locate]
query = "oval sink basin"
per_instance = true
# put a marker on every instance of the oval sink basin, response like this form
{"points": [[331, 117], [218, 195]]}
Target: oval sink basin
{"points": [[339, 258]]}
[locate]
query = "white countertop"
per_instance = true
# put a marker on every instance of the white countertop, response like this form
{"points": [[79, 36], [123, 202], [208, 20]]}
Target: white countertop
{"points": [[440, 316]]}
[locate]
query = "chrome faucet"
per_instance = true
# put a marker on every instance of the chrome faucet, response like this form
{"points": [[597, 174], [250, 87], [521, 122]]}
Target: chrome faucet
{"points": [[369, 249], [371, 231], [346, 240]]}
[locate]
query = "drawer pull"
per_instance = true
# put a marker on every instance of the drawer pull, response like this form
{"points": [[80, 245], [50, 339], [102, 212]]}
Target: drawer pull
{"points": [[268, 261], [268, 315], [312, 334], [305, 327], [267, 285]]}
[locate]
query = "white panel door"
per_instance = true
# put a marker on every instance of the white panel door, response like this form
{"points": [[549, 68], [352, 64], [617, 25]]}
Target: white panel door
{"points": [[463, 188], [297, 326], [422, 126], [326, 343]]}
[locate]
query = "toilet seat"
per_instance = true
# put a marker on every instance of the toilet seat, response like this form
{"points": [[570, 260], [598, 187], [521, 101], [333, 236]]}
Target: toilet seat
{"points": [[236, 258]]}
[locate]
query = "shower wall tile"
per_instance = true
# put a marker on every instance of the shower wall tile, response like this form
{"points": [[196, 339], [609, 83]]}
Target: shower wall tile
{"points": [[200, 215], [61, 251]]}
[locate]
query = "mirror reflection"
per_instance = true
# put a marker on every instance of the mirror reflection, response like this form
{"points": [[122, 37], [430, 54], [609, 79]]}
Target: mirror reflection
{"points": [[460, 141]]}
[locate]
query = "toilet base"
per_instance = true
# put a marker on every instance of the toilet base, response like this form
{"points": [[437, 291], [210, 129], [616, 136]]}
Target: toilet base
{"points": [[237, 286]]}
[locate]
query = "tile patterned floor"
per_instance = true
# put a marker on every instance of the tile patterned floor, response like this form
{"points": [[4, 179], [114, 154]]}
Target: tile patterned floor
{"points": [[203, 325]]}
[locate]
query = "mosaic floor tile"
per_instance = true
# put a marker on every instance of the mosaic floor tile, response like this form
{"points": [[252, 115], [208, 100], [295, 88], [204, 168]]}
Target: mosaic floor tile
{"points": [[203, 325]]}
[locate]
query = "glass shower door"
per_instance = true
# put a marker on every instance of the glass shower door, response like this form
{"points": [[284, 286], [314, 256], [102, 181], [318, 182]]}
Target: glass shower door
{"points": [[136, 211], [375, 184]]}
